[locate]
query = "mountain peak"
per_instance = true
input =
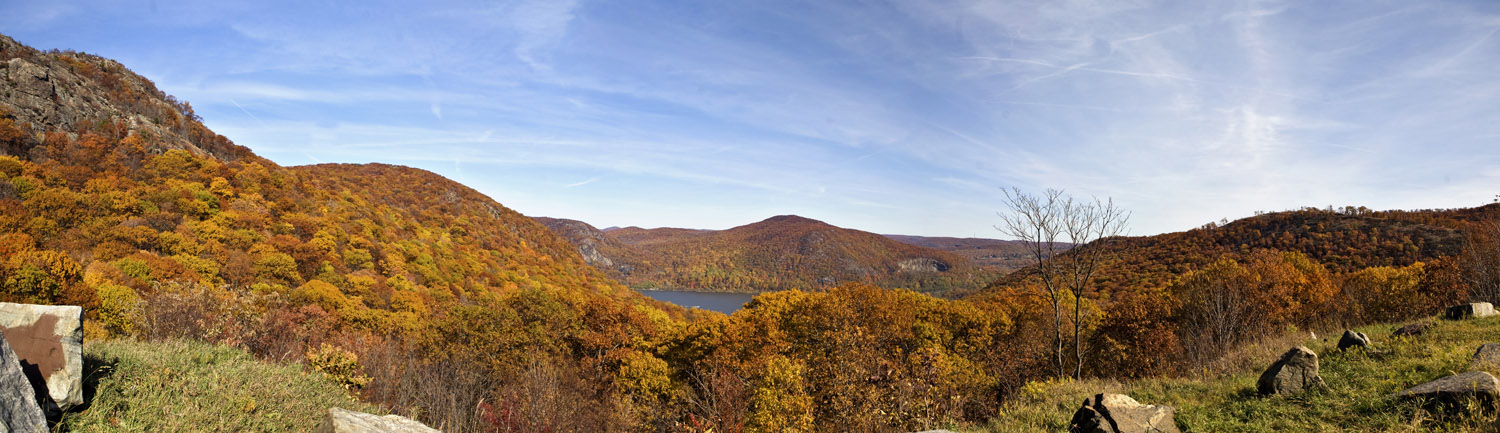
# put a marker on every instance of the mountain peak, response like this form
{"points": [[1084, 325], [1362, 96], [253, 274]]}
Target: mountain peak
{"points": [[791, 219]]}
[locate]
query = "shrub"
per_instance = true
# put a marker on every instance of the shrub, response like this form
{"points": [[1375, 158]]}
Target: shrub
{"points": [[341, 366]]}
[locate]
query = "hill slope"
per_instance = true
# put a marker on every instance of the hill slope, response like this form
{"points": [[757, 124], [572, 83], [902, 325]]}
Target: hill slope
{"points": [[1005, 256], [783, 252], [115, 197], [1357, 397], [1344, 241], [145, 386]]}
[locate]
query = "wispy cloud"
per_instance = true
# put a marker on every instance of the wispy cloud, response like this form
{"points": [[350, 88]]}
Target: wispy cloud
{"points": [[578, 184], [891, 117]]}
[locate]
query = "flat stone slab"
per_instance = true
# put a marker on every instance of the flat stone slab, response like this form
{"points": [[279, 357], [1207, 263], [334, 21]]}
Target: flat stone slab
{"points": [[1452, 389], [1412, 329], [1473, 310], [18, 409], [48, 340], [1118, 413], [348, 421]]}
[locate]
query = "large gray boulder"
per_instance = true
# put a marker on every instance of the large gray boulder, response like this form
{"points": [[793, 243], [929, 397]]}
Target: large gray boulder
{"points": [[48, 339], [1353, 339], [1118, 413], [1487, 357], [1469, 311], [1297, 370], [348, 421], [18, 409], [1455, 389]]}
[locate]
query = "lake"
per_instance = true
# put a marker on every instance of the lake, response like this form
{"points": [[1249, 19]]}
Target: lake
{"points": [[722, 302]]}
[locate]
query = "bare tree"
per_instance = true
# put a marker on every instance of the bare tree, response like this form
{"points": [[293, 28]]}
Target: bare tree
{"points": [[1479, 262], [1049, 224]]}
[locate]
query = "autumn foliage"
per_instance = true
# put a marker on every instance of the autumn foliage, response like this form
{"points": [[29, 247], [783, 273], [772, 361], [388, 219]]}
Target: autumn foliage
{"points": [[435, 301]]}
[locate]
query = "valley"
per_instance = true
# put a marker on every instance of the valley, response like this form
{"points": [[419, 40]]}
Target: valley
{"points": [[785, 252], [426, 297]]}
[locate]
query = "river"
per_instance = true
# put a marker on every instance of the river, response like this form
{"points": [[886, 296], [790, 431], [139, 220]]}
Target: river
{"points": [[722, 302]]}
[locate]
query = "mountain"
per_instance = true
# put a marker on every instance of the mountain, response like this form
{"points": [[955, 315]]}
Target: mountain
{"points": [[115, 197], [782, 252], [598, 250], [1005, 256], [1343, 240]]}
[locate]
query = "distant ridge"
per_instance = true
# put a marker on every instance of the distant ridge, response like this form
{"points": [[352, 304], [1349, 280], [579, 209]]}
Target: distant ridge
{"points": [[778, 253], [1343, 240], [1004, 256]]}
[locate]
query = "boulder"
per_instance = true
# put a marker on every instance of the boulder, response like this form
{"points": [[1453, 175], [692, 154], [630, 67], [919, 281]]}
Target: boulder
{"points": [[1118, 413], [348, 421], [48, 339], [1412, 329], [1487, 357], [18, 409], [1353, 339], [1296, 371], [1455, 389], [1469, 311]]}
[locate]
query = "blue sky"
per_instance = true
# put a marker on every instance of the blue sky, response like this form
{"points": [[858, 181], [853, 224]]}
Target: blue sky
{"points": [[904, 117]]}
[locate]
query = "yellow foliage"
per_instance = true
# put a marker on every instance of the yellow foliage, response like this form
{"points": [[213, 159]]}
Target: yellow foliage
{"points": [[644, 376], [780, 402], [408, 301], [322, 294], [340, 365], [119, 309]]}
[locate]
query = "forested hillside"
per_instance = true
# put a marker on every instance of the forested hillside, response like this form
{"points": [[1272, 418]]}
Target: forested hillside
{"points": [[1343, 240], [114, 197], [779, 253], [1004, 256], [1187, 298], [450, 307]]}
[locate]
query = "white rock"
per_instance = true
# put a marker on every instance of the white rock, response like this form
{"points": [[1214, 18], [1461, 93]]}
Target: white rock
{"points": [[348, 421], [50, 339]]}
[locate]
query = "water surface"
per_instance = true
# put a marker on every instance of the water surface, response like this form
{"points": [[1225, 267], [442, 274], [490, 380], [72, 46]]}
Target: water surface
{"points": [[722, 302]]}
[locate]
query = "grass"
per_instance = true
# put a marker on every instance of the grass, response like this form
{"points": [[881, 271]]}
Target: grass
{"points": [[186, 386], [1357, 398]]}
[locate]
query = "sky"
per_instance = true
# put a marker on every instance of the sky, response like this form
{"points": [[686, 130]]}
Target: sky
{"points": [[905, 117]]}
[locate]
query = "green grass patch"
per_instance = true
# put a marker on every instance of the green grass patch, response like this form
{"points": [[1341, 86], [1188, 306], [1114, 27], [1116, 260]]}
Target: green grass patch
{"points": [[1357, 398], [187, 386]]}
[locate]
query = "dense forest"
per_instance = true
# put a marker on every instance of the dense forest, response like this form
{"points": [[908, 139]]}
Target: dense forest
{"points": [[1003, 256], [779, 253], [440, 303]]}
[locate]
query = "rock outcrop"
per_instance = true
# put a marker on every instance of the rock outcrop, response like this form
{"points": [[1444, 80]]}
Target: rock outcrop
{"points": [[1118, 413], [1455, 389], [1353, 339], [48, 340], [348, 421], [1412, 329], [63, 91], [922, 265], [1487, 357], [18, 409], [1297, 370], [1469, 311]]}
